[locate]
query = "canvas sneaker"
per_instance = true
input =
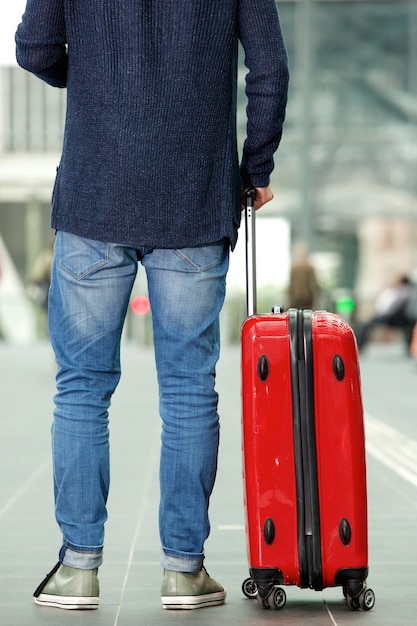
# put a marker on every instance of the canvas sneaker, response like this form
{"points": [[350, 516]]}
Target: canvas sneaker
{"points": [[69, 588], [181, 590]]}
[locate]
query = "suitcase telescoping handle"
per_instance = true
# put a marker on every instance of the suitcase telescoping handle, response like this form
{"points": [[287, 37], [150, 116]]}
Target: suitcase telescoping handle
{"points": [[250, 251]]}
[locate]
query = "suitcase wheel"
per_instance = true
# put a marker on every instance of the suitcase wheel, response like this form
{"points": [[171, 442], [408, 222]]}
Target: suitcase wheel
{"points": [[365, 600], [250, 588], [275, 600]]}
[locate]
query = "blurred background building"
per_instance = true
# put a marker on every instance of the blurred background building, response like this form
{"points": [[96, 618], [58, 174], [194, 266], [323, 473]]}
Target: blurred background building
{"points": [[345, 179]]}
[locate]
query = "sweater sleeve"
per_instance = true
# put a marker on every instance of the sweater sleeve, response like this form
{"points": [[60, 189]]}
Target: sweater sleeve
{"points": [[266, 87], [41, 41]]}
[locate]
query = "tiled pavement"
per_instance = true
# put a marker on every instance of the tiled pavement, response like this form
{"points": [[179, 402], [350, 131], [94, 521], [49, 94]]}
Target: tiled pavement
{"points": [[130, 576]]}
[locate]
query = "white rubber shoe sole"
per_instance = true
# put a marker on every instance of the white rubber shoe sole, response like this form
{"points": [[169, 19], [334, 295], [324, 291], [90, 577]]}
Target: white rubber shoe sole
{"points": [[67, 602], [193, 602]]}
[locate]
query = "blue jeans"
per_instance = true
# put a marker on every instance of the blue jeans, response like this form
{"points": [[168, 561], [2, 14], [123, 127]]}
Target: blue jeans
{"points": [[89, 296]]}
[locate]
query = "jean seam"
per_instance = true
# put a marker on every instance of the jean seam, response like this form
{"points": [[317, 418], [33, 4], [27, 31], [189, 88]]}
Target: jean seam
{"points": [[90, 270], [204, 268]]}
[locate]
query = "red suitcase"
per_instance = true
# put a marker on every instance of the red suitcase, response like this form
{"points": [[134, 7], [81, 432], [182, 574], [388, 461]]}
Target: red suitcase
{"points": [[303, 452]]}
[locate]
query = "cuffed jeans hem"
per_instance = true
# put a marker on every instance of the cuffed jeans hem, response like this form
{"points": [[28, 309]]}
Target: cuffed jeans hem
{"points": [[176, 563], [80, 560]]}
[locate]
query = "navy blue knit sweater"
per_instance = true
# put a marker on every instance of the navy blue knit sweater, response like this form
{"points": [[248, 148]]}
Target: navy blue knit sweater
{"points": [[149, 154]]}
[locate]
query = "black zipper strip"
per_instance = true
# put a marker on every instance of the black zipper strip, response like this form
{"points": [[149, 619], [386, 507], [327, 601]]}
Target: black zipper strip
{"points": [[312, 529], [298, 454], [305, 456]]}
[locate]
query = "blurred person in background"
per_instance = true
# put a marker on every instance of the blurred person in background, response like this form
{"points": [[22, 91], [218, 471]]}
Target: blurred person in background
{"points": [[392, 309], [149, 173], [303, 287], [40, 277]]}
